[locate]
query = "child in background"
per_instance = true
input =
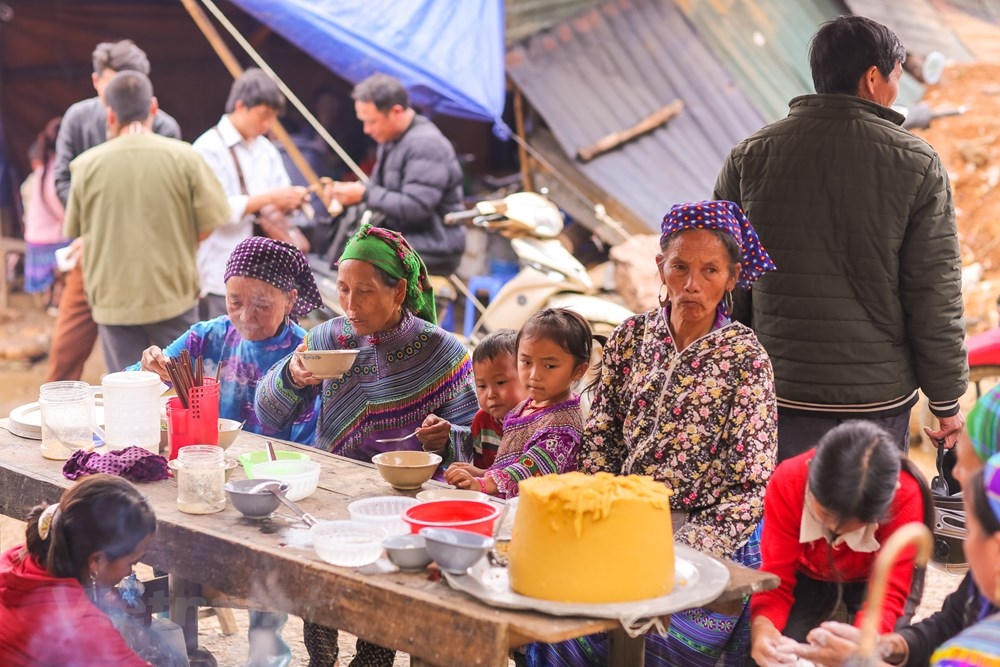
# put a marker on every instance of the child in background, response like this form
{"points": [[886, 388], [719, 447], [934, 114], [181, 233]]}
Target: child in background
{"points": [[499, 390], [542, 434], [43, 217]]}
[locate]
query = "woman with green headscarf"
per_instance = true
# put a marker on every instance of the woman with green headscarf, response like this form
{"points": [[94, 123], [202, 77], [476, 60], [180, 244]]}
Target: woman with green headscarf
{"points": [[834, 643], [407, 367]]}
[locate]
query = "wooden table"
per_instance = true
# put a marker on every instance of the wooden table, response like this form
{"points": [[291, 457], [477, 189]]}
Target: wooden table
{"points": [[258, 561]]}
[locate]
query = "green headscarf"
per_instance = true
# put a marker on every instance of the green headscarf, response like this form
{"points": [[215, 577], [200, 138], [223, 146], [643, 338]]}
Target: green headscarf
{"points": [[389, 251], [983, 424]]}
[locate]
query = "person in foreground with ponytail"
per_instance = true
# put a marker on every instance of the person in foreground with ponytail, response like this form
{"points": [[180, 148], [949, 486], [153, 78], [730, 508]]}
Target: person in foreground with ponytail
{"points": [[54, 588], [827, 513]]}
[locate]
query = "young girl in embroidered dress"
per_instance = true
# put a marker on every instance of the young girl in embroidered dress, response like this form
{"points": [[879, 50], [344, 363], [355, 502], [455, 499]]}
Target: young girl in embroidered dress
{"points": [[541, 435]]}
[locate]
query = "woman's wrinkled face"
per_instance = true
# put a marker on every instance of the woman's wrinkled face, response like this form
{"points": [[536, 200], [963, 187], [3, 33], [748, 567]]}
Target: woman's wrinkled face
{"points": [[698, 272], [257, 309], [368, 303], [982, 551]]}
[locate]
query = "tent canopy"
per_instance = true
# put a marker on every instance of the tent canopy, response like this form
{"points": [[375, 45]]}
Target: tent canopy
{"points": [[450, 56]]}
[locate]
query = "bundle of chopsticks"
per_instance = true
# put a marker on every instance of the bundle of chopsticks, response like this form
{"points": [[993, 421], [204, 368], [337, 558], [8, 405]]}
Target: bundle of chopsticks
{"points": [[184, 376]]}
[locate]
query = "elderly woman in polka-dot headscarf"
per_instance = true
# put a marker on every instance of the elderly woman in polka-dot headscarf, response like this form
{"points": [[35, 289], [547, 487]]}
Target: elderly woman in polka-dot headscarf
{"points": [[268, 287], [686, 396]]}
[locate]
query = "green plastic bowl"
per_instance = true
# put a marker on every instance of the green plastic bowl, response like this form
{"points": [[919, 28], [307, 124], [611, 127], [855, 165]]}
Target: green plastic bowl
{"points": [[250, 459]]}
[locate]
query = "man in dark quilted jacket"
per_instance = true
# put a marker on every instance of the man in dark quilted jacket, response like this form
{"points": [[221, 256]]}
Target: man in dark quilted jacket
{"points": [[865, 307]]}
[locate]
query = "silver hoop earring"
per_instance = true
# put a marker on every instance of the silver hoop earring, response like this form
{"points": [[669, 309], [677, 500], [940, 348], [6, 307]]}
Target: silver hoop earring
{"points": [[661, 297], [93, 585], [727, 302]]}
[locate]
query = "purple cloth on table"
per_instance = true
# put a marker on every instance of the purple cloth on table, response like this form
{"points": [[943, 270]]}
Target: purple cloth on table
{"points": [[134, 464]]}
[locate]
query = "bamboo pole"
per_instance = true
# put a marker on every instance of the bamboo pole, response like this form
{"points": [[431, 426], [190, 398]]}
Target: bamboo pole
{"points": [[616, 139], [522, 154]]}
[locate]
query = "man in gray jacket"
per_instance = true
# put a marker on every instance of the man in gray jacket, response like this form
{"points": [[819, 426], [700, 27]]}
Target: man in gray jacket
{"points": [[857, 214], [85, 125], [416, 179]]}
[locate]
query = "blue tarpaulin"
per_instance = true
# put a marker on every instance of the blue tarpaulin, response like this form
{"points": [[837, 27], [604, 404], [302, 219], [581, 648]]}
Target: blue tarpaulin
{"points": [[449, 55]]}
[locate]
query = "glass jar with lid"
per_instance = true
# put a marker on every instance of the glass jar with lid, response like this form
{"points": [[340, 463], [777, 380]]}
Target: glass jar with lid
{"points": [[201, 478]]}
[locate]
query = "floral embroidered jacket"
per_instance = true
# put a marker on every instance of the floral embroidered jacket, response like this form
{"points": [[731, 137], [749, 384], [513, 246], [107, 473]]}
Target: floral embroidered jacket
{"points": [[702, 421], [538, 443]]}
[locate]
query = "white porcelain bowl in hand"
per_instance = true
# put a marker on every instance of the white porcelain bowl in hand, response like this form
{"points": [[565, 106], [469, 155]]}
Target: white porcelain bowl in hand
{"points": [[347, 543], [455, 551], [302, 477], [386, 512], [407, 469], [327, 364]]}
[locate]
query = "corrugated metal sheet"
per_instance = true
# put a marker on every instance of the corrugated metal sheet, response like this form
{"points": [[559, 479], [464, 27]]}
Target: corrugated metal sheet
{"points": [[526, 17], [987, 10], [763, 43], [917, 23], [610, 67]]}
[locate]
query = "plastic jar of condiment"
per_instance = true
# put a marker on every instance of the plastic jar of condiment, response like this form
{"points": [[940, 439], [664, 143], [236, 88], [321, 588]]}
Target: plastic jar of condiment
{"points": [[201, 478]]}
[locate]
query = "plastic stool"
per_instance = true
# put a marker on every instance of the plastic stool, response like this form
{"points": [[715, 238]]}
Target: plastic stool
{"points": [[489, 284]]}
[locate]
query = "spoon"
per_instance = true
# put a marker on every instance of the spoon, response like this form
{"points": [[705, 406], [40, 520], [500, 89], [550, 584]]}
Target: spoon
{"points": [[405, 437], [495, 556], [275, 488], [271, 456]]}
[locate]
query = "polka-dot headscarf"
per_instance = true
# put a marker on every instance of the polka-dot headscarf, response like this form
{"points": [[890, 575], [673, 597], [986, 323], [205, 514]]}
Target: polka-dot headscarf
{"points": [[728, 217], [279, 264]]}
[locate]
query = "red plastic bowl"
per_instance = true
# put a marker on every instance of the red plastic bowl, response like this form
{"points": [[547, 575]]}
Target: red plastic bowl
{"points": [[469, 515]]}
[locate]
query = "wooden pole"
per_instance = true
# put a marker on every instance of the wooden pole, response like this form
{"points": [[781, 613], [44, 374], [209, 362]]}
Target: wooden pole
{"points": [[235, 69], [644, 126], [522, 154]]}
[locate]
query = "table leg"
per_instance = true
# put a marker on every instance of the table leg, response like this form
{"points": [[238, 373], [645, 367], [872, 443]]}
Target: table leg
{"points": [[185, 598], [625, 651]]}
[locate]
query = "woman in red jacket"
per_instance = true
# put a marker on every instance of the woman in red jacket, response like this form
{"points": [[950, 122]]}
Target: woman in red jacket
{"points": [[76, 551], [826, 513]]}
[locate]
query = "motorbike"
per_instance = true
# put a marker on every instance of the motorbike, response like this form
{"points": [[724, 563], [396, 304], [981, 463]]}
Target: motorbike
{"points": [[549, 275]]}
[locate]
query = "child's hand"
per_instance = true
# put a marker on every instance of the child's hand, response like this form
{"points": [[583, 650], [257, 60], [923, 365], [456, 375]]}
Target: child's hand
{"points": [[433, 433], [460, 476]]}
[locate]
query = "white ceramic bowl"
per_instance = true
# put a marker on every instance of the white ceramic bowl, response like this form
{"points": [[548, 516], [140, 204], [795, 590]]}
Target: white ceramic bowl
{"points": [[347, 543], [327, 364], [407, 552], [452, 494], [386, 512], [455, 551], [229, 430], [302, 477]]}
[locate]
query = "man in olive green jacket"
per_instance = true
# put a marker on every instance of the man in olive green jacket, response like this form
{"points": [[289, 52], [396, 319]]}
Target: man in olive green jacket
{"points": [[866, 305]]}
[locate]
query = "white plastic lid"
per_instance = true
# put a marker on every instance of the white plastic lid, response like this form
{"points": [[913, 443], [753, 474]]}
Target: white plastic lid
{"points": [[131, 379]]}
